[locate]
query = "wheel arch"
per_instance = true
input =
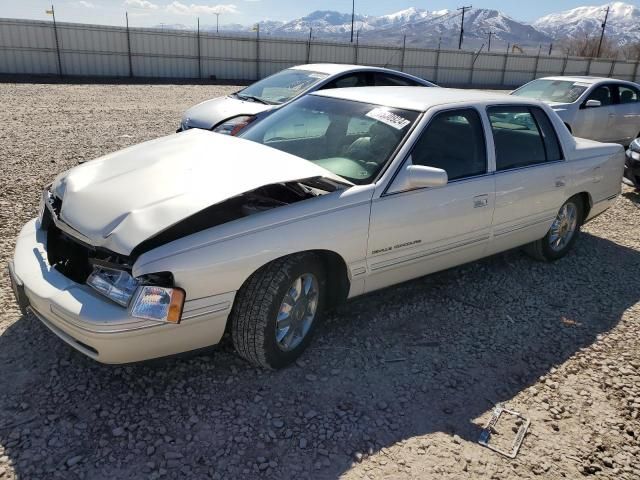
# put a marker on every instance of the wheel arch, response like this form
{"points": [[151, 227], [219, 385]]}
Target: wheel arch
{"points": [[336, 270], [587, 203]]}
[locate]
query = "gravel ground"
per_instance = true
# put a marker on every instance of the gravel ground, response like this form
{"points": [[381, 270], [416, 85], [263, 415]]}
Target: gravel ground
{"points": [[396, 384]]}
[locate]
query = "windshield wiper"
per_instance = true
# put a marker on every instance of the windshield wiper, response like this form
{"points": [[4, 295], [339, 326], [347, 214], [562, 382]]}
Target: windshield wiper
{"points": [[254, 98]]}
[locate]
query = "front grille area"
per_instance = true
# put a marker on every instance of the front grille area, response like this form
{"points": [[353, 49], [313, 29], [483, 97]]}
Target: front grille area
{"points": [[68, 256], [72, 258]]}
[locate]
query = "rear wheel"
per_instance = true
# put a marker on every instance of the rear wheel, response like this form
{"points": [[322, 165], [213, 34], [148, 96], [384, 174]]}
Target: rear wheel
{"points": [[276, 310], [562, 234]]}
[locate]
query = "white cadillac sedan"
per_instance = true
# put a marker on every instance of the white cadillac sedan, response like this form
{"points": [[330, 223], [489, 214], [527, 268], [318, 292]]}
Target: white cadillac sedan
{"points": [[163, 247], [230, 114], [602, 109]]}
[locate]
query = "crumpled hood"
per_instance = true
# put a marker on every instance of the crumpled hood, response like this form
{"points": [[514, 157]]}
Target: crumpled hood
{"points": [[211, 112], [123, 198]]}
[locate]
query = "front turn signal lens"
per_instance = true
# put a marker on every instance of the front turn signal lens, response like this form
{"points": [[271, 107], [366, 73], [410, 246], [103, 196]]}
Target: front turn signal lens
{"points": [[162, 304]]}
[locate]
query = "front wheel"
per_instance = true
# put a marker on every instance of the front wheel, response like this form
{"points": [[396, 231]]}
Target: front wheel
{"points": [[562, 234], [276, 310]]}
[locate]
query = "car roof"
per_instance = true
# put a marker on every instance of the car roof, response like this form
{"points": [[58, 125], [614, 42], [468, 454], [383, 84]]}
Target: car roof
{"points": [[419, 98], [330, 68], [338, 68], [586, 79]]}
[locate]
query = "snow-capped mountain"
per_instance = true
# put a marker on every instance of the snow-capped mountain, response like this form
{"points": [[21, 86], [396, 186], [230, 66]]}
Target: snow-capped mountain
{"points": [[623, 24], [421, 27], [431, 27]]}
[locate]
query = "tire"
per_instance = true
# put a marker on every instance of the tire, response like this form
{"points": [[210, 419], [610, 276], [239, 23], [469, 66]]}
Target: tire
{"points": [[547, 249], [257, 307]]}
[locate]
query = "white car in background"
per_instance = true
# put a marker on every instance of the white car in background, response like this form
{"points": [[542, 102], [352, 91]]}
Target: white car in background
{"points": [[232, 113], [162, 247], [602, 109]]}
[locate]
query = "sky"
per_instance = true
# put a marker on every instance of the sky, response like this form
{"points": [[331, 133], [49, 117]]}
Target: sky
{"points": [[155, 12]]}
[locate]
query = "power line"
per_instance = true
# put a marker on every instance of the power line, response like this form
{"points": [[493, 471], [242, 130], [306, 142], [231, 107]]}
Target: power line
{"points": [[464, 9], [604, 25]]}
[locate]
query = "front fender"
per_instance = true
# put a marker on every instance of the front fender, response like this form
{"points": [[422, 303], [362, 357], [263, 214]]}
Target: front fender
{"points": [[220, 259]]}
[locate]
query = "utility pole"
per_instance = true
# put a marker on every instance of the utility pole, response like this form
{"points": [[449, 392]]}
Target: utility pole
{"points": [[464, 9], [217, 22], [604, 25], [353, 17], [550, 48], [489, 44]]}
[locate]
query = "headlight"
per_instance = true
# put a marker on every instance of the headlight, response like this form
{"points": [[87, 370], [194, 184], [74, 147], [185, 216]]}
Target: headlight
{"points": [[234, 125], [162, 304], [116, 285], [635, 145]]}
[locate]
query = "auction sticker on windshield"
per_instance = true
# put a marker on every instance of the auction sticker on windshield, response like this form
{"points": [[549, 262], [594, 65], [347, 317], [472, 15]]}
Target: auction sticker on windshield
{"points": [[389, 118]]}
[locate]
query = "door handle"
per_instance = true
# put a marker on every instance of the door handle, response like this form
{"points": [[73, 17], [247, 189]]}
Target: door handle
{"points": [[480, 201], [560, 182]]}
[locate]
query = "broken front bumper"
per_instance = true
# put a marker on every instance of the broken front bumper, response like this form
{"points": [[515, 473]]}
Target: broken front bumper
{"points": [[96, 326]]}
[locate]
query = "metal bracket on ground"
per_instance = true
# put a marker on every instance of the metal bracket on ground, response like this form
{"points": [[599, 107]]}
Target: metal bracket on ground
{"points": [[490, 428]]}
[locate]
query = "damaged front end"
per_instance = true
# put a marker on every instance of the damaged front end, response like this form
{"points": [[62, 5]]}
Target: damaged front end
{"points": [[74, 256]]}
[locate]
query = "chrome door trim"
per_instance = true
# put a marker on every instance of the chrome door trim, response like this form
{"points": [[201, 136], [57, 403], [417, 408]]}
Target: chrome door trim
{"points": [[396, 262], [533, 165], [522, 226]]}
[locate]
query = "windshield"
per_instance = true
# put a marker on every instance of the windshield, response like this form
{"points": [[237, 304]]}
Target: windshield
{"points": [[351, 139], [282, 86], [560, 91]]}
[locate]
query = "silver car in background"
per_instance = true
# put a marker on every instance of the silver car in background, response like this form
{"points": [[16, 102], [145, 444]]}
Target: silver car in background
{"points": [[232, 113], [602, 109]]}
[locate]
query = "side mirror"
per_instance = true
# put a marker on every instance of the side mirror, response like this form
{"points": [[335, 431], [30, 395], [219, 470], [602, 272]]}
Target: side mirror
{"points": [[592, 103], [419, 176]]}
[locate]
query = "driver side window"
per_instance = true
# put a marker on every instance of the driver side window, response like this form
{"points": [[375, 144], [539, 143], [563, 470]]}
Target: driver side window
{"points": [[602, 94], [454, 142]]}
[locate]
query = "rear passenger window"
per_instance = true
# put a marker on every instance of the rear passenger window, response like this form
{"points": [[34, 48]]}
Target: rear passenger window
{"points": [[628, 94], [386, 80], [519, 139], [454, 142], [551, 142], [350, 80]]}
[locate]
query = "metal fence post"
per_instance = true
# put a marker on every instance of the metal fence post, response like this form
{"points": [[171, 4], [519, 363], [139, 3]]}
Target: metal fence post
{"points": [[356, 47], [535, 68], [564, 64], [504, 68], [126, 14], [258, 51], [473, 62], [589, 66], [404, 48], [309, 47], [55, 34], [437, 65], [635, 70], [613, 66], [199, 56]]}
